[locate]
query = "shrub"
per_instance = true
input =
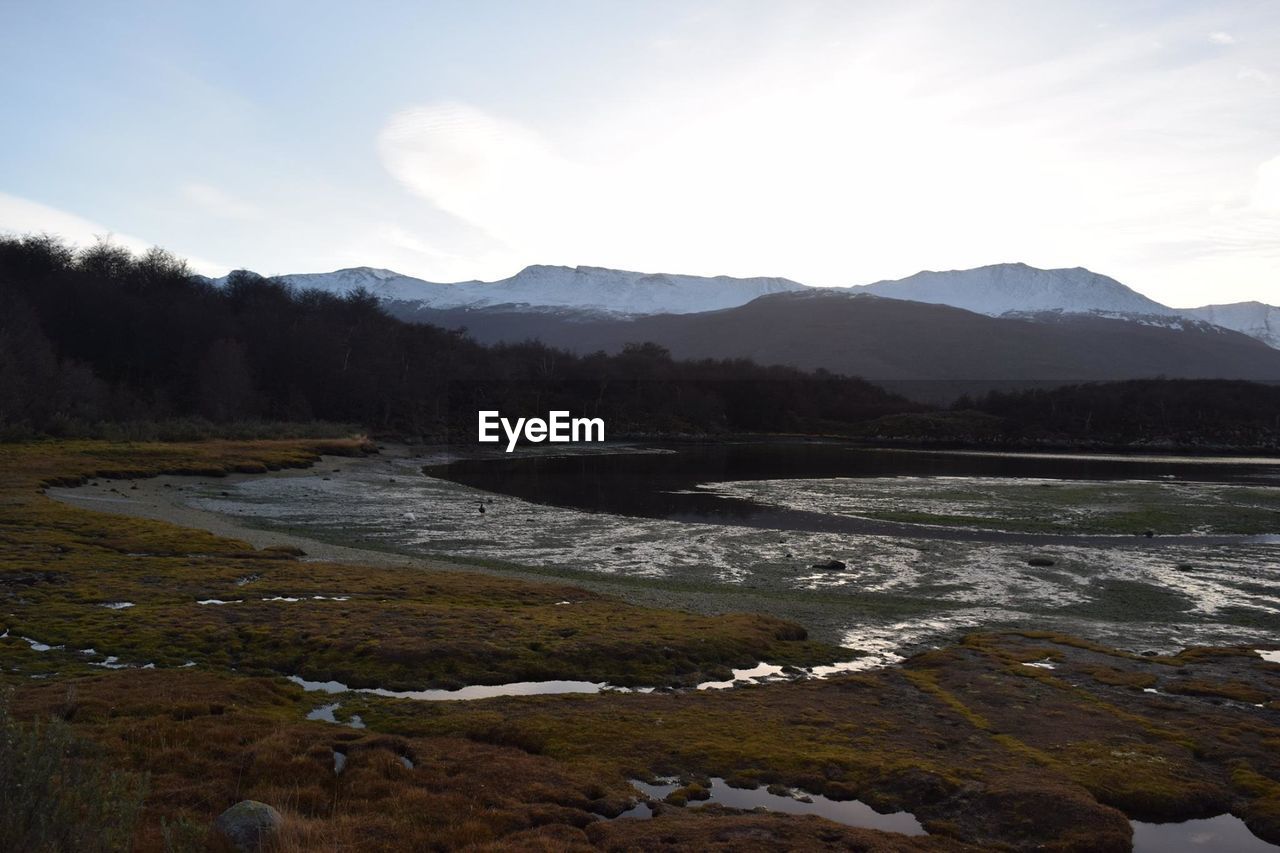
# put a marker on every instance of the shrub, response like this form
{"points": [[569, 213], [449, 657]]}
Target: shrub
{"points": [[55, 796]]}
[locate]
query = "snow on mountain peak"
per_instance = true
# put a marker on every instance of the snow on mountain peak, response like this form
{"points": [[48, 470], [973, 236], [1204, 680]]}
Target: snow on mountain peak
{"points": [[1010, 289], [1017, 288], [547, 287], [1255, 319]]}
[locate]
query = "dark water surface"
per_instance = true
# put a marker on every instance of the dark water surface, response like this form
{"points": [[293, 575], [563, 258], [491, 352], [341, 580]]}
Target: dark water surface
{"points": [[665, 485]]}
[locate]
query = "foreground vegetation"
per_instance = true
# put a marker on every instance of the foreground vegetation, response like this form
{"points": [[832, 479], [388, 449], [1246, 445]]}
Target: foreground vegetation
{"points": [[987, 752]]}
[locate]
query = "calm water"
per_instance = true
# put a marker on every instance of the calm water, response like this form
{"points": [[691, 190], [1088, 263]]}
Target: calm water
{"points": [[848, 812], [674, 485]]}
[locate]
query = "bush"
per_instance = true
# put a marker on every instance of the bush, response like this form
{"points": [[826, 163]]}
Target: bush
{"points": [[55, 796]]}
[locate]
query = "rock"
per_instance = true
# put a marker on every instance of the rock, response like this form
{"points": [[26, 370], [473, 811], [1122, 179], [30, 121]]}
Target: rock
{"points": [[830, 566], [1042, 562], [1149, 533], [248, 825]]}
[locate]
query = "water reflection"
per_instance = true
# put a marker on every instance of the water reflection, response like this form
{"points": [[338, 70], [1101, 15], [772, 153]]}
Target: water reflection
{"points": [[475, 691], [1222, 833], [849, 812]]}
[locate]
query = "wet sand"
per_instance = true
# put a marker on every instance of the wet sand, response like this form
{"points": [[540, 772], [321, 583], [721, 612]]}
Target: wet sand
{"points": [[164, 499]]}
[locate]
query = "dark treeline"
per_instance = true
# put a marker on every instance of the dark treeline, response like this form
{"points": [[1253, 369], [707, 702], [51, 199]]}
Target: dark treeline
{"points": [[101, 335], [1176, 412]]}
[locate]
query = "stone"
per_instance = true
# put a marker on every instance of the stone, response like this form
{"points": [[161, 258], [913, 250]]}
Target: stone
{"points": [[248, 825]]}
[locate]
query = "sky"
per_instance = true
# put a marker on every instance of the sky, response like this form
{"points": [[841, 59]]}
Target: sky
{"points": [[833, 143]]}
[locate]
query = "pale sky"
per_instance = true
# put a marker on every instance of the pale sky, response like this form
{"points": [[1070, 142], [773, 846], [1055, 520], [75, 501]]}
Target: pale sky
{"points": [[833, 143]]}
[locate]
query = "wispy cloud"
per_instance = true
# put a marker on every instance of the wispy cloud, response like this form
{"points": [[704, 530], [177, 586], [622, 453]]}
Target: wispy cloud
{"points": [[1220, 37], [1266, 191], [219, 202], [906, 142]]}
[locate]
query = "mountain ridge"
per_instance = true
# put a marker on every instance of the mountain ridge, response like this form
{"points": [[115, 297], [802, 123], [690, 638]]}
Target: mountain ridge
{"points": [[940, 351], [1012, 289]]}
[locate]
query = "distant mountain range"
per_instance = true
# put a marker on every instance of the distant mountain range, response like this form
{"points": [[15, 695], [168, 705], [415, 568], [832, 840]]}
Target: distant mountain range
{"points": [[992, 325], [996, 290], [548, 288]]}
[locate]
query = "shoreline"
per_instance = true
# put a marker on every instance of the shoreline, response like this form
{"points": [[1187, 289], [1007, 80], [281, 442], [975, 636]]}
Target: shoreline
{"points": [[159, 499]]}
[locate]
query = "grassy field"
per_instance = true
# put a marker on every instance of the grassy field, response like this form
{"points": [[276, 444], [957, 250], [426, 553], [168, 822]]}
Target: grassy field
{"points": [[986, 751]]}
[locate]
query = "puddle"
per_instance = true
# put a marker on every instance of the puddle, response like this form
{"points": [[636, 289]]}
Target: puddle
{"points": [[308, 598], [1269, 655], [220, 601], [850, 813], [406, 761], [656, 790], [640, 811], [116, 605], [756, 674], [107, 662], [765, 672], [478, 691], [859, 665], [325, 714], [1221, 833], [1047, 663], [36, 645], [339, 761]]}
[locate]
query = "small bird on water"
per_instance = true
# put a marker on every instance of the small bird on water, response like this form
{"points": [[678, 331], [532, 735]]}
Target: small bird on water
{"points": [[482, 507]]}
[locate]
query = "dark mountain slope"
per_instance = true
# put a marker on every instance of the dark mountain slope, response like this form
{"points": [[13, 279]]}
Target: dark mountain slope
{"points": [[892, 339]]}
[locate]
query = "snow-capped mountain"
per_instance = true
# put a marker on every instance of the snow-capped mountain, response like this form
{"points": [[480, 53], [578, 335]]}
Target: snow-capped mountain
{"points": [[1255, 319], [385, 284], [1001, 290], [1018, 289], [555, 288]]}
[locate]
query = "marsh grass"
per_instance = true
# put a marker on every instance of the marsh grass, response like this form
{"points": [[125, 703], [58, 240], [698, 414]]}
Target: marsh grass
{"points": [[57, 795]]}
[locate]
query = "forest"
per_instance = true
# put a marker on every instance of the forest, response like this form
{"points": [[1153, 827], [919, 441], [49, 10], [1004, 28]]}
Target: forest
{"points": [[101, 336]]}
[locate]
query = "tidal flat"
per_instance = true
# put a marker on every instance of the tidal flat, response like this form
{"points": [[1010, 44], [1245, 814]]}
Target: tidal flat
{"points": [[999, 739], [970, 544]]}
